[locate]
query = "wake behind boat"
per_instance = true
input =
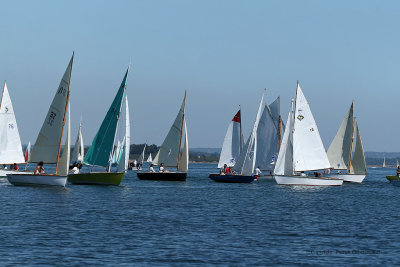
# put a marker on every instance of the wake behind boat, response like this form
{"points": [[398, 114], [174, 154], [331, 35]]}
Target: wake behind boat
{"points": [[47, 147], [306, 152], [170, 153]]}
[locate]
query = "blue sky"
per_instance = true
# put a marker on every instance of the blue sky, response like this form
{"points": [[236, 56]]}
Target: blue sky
{"points": [[223, 52]]}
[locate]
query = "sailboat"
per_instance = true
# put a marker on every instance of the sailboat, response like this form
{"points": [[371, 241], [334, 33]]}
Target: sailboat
{"points": [[233, 142], [149, 159], [170, 152], [141, 157], [47, 147], [77, 154], [340, 152], [102, 149], [384, 162], [397, 163], [11, 148], [306, 152], [245, 163]]}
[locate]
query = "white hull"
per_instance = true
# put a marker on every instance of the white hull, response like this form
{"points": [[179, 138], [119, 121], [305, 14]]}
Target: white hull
{"points": [[3, 173], [31, 179], [353, 178], [305, 180]]}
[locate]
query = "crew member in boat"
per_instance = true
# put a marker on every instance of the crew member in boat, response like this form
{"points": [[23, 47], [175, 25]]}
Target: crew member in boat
{"points": [[257, 172], [151, 169], [39, 168], [162, 168], [15, 167], [302, 173], [226, 169], [76, 168], [398, 171]]}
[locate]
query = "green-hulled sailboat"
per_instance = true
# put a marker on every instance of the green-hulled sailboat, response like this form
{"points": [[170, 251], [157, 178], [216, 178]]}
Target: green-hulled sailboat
{"points": [[101, 151]]}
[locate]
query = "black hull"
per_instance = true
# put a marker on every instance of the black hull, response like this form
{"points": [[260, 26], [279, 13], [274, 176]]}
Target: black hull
{"points": [[231, 178], [162, 176]]}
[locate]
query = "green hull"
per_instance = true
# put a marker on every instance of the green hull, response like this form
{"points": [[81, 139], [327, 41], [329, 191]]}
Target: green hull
{"points": [[392, 178], [96, 178]]}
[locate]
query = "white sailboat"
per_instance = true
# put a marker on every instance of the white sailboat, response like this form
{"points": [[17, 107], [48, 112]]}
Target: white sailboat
{"points": [[307, 152], [397, 163], [77, 154], [171, 153], [340, 152], [149, 159], [47, 147], [233, 142], [141, 157], [384, 162], [10, 142]]}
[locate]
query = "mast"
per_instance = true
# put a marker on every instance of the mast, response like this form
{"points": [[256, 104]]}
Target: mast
{"points": [[240, 127], [180, 140]]}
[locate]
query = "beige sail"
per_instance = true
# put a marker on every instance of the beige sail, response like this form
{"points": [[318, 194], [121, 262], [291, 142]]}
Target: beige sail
{"points": [[63, 163], [358, 165], [184, 162], [339, 152]]}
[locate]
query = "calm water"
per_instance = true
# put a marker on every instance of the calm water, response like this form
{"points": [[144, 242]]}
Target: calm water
{"points": [[201, 222]]}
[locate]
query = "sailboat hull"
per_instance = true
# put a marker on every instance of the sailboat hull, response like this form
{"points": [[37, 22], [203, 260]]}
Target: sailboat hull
{"points": [[232, 178], [162, 176], [32, 179], [3, 173], [392, 178], [352, 178], [307, 181], [96, 178]]}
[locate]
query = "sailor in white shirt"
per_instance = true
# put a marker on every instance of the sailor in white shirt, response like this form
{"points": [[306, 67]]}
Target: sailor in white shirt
{"points": [[257, 172], [151, 168]]}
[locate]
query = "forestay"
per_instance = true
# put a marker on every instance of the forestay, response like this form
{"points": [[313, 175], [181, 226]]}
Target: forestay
{"points": [[308, 149], [339, 152], [169, 150], [48, 142], [10, 141], [233, 143], [100, 152]]}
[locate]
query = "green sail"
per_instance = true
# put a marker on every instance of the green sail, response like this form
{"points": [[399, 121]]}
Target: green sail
{"points": [[103, 142]]}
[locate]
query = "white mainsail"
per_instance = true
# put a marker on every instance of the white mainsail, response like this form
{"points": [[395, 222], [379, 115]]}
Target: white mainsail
{"points": [[397, 163], [48, 142], [339, 152], [284, 163], [149, 159], [63, 162], [10, 141], [308, 149], [123, 164], [79, 149], [141, 157], [247, 159], [267, 141], [384, 162], [184, 161], [169, 150], [358, 165], [233, 142]]}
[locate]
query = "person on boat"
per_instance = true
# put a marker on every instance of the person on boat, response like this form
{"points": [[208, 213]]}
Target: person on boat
{"points": [[162, 168], [135, 163], [302, 173], [4, 166], [151, 169], [398, 171], [15, 167], [39, 168], [75, 169], [257, 172]]}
